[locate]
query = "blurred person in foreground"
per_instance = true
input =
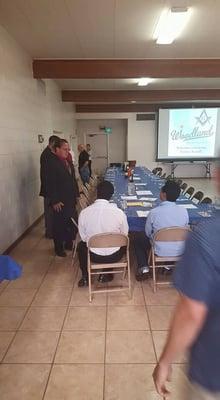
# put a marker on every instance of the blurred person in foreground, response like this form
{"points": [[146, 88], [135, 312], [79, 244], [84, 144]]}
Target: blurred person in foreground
{"points": [[83, 164], [196, 321], [47, 154], [63, 192]]}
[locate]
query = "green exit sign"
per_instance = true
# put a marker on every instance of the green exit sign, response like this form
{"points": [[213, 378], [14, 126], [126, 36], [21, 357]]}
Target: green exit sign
{"points": [[108, 130]]}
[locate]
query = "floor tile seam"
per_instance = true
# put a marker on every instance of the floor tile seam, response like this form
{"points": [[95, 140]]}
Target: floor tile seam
{"points": [[22, 320], [9, 345], [149, 322], [85, 363], [58, 341], [105, 344]]}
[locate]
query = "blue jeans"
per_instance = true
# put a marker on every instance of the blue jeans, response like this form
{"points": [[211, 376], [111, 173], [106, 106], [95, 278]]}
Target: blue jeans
{"points": [[85, 174]]}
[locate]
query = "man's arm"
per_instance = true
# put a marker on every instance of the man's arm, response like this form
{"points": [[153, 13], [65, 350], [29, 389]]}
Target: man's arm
{"points": [[148, 226], [186, 324], [124, 224]]}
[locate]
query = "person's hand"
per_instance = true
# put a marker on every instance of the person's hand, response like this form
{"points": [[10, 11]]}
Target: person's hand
{"points": [[58, 206], [162, 373]]}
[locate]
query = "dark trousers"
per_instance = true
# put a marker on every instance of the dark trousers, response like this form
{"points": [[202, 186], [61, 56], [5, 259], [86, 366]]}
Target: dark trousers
{"points": [[48, 217], [141, 246], [83, 257], [64, 231], [90, 168]]}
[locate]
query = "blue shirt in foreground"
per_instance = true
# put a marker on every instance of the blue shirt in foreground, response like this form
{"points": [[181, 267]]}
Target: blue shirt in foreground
{"points": [[166, 215], [197, 276]]}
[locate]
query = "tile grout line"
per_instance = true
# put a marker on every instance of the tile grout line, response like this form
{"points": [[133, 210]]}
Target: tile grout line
{"points": [[25, 314], [106, 321], [60, 333], [149, 322]]}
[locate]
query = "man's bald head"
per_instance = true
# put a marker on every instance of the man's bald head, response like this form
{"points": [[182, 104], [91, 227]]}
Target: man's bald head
{"points": [[81, 147]]}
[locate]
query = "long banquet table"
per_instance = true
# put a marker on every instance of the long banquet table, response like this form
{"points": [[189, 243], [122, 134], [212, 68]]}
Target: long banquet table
{"points": [[145, 180]]}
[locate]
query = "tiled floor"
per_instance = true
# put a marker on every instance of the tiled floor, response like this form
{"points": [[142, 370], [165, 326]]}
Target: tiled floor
{"points": [[54, 345]]}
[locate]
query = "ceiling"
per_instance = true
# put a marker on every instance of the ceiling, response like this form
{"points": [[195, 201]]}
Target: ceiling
{"points": [[112, 29]]}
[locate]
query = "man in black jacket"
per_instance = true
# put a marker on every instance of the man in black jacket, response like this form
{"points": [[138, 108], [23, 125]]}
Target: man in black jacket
{"points": [[46, 155], [83, 164], [62, 191]]}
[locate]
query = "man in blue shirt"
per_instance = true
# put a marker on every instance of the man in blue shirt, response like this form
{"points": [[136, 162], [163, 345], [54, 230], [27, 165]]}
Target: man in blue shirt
{"points": [[196, 321], [168, 214]]}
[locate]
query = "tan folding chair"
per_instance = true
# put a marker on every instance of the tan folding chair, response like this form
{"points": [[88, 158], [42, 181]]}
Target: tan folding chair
{"points": [[108, 240], [174, 234], [83, 202], [75, 242]]}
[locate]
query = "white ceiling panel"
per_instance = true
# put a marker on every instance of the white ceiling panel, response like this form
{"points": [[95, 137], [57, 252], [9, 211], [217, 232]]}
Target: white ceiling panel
{"points": [[108, 28]]}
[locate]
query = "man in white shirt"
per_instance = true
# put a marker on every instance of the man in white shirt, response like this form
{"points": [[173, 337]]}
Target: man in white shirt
{"points": [[100, 217], [166, 215]]}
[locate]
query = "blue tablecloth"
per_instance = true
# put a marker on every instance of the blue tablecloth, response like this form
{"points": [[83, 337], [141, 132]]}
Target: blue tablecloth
{"points": [[9, 269], [152, 183]]}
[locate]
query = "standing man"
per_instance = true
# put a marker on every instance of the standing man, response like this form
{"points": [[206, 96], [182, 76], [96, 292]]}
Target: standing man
{"points": [[196, 322], [89, 151], [63, 193], [83, 164], [46, 156]]}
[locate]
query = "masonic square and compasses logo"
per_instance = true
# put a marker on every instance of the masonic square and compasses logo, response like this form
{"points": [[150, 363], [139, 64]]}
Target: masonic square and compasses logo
{"points": [[203, 118]]}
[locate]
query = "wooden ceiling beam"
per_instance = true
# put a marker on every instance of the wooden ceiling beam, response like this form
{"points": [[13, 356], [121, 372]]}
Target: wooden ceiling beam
{"points": [[121, 69], [123, 108], [152, 96]]}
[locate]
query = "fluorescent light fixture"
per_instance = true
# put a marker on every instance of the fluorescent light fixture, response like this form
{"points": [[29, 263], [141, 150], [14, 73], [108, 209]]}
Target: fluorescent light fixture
{"points": [[144, 81], [171, 23]]}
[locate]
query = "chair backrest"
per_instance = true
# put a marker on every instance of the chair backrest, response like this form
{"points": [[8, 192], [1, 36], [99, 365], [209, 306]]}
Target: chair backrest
{"points": [[189, 192], [83, 201], [206, 200], [172, 234], [183, 187], [179, 181], [169, 177], [106, 240], [197, 197]]}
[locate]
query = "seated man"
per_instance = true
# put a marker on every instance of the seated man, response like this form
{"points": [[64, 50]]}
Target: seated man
{"points": [[100, 217], [166, 215]]}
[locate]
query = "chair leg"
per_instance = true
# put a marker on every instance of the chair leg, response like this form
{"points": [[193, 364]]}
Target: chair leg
{"points": [[90, 280], [74, 252], [154, 275], [129, 280]]}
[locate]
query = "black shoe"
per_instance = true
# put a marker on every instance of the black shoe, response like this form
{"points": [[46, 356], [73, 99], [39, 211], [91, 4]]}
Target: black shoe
{"points": [[69, 246], [83, 282], [103, 278], [47, 236], [140, 276], [166, 272], [60, 253]]}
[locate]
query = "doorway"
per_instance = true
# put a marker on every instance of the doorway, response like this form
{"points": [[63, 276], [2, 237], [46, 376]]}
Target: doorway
{"points": [[99, 143]]}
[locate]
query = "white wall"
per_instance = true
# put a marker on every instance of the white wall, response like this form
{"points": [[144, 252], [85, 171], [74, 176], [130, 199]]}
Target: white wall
{"points": [[117, 139], [140, 135], [27, 108], [142, 142]]}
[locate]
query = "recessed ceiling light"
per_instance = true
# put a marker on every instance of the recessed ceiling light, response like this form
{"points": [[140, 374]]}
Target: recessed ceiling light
{"points": [[144, 81], [133, 101], [171, 23]]}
